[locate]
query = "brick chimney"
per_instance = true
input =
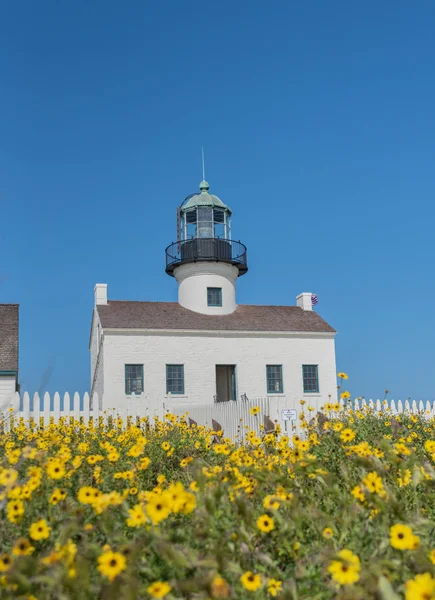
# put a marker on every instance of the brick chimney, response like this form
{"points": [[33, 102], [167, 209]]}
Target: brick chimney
{"points": [[100, 293], [304, 301]]}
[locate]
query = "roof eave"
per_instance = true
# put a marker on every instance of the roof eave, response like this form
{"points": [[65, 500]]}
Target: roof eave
{"points": [[218, 332]]}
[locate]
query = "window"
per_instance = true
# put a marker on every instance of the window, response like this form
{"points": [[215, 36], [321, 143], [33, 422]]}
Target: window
{"points": [[214, 296], [274, 379], [175, 379], [311, 378], [133, 379]]}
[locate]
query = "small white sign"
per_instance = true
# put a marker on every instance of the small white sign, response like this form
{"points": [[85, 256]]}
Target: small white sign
{"points": [[289, 414]]}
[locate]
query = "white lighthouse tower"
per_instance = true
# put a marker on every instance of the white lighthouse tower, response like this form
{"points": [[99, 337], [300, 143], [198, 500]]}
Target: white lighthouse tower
{"points": [[204, 260]]}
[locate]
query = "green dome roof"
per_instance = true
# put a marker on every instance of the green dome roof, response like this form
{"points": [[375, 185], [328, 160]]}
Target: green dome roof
{"points": [[205, 199]]}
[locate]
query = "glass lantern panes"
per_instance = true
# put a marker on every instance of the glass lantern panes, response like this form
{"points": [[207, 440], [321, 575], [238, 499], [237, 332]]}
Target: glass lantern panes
{"points": [[190, 224], [219, 223], [205, 222]]}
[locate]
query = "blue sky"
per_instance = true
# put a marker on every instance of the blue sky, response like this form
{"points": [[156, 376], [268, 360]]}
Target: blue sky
{"points": [[319, 131]]}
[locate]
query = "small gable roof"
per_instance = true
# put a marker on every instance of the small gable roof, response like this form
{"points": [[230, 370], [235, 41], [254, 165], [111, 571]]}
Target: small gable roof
{"points": [[119, 314], [9, 337]]}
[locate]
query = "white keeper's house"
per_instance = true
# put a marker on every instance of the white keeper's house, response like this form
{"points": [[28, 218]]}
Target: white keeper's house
{"points": [[206, 348], [8, 352]]}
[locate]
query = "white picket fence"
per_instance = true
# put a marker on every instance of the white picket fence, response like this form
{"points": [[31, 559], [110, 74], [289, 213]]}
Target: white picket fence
{"points": [[52, 409], [234, 418], [394, 407]]}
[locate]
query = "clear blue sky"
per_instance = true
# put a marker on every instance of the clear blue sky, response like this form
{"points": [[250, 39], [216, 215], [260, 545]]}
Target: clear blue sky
{"points": [[318, 124]]}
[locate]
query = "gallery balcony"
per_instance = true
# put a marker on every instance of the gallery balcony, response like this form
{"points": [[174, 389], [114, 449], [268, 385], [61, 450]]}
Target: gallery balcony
{"points": [[206, 249]]}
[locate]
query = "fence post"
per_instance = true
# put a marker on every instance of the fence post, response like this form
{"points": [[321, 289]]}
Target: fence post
{"points": [[46, 409], [56, 407]]}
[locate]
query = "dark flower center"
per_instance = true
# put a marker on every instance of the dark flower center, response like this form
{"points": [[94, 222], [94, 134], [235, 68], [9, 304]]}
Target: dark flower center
{"points": [[400, 536], [113, 562], [251, 578]]}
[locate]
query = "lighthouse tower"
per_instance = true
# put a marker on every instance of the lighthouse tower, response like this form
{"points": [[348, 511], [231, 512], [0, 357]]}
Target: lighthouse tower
{"points": [[205, 260]]}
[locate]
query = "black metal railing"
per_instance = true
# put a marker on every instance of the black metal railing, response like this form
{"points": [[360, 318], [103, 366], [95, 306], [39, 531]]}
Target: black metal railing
{"points": [[210, 249]]}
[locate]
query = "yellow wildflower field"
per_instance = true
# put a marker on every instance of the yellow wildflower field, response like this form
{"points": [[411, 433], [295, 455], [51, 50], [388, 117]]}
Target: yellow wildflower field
{"points": [[168, 510]]}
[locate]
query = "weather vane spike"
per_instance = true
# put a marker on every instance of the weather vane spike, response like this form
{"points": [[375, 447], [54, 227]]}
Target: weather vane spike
{"points": [[203, 164]]}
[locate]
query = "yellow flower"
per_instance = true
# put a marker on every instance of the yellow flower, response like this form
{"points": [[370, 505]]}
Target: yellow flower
{"points": [[143, 464], [346, 570], [345, 395], [111, 564], [55, 469], [39, 530], [374, 484], [87, 495], [265, 523], [402, 537], [404, 478], [432, 556], [57, 496], [347, 435], [137, 516], [254, 410], [14, 510], [166, 446], [304, 446], [159, 589], [337, 426], [400, 448], [342, 375], [158, 508], [22, 547], [219, 588], [327, 533], [5, 563], [251, 581], [274, 587], [271, 502], [420, 588], [8, 477]]}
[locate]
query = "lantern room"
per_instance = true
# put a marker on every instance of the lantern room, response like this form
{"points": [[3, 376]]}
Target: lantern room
{"points": [[204, 233], [204, 216]]}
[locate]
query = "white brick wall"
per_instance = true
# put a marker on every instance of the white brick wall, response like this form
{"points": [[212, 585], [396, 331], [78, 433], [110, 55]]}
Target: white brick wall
{"points": [[7, 389], [201, 352], [96, 347], [193, 280]]}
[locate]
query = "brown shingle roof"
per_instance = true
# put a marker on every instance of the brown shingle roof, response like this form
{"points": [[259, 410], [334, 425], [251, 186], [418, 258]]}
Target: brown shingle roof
{"points": [[247, 317], [8, 337]]}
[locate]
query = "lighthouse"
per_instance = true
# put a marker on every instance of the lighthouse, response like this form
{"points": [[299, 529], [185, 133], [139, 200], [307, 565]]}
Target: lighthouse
{"points": [[207, 348], [205, 261]]}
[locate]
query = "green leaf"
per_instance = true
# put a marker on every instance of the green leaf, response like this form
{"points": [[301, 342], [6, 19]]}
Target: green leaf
{"points": [[386, 591]]}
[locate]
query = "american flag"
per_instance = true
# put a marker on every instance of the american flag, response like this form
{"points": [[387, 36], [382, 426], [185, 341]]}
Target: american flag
{"points": [[314, 299]]}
